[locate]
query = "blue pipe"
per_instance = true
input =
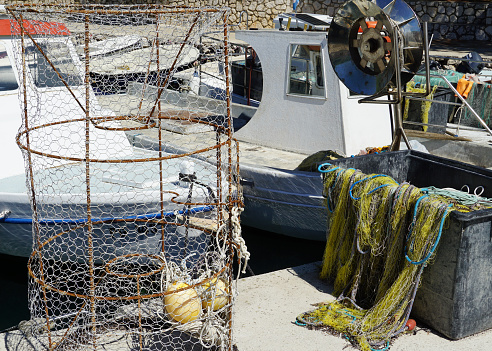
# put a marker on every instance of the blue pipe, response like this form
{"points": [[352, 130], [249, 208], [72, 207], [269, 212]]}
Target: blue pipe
{"points": [[107, 219]]}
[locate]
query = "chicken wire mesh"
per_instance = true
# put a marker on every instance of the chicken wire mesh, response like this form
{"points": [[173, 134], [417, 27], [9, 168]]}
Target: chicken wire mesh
{"points": [[132, 172]]}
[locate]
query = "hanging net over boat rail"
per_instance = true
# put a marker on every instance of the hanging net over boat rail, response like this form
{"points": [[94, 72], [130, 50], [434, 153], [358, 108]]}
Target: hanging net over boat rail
{"points": [[381, 236], [132, 172]]}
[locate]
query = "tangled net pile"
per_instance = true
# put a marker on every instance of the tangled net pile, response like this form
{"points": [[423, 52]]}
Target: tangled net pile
{"points": [[381, 236], [132, 248]]}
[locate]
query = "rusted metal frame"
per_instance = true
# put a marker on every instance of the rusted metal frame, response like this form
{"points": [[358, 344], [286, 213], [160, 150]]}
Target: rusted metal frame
{"points": [[139, 304], [75, 159], [218, 156], [130, 276], [21, 24], [161, 87], [158, 9], [228, 105], [121, 275], [107, 270], [159, 137], [126, 298], [90, 244], [33, 194], [238, 200], [96, 120], [123, 118], [229, 171], [219, 203], [104, 119]]}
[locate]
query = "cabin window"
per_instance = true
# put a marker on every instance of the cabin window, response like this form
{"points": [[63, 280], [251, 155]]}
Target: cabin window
{"points": [[306, 70], [7, 76], [43, 73]]}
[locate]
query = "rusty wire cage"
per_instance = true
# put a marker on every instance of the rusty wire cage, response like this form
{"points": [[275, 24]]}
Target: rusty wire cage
{"points": [[132, 172]]}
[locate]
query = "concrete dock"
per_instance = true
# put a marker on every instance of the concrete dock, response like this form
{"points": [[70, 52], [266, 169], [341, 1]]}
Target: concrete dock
{"points": [[266, 309], [268, 305]]}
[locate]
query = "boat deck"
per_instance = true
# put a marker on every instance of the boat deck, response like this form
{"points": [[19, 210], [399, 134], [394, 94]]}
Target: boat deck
{"points": [[249, 153], [476, 151]]}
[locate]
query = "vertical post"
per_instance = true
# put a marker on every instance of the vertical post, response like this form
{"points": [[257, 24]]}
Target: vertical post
{"points": [[397, 110], [90, 245], [36, 232], [159, 136], [229, 170], [139, 303]]}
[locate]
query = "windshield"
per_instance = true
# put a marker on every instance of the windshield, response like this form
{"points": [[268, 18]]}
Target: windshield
{"points": [[306, 71], [42, 71], [7, 76]]}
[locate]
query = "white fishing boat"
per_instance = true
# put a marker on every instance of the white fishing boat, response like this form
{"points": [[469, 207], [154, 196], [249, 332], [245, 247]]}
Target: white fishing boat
{"points": [[141, 65], [136, 191], [109, 46], [305, 109]]}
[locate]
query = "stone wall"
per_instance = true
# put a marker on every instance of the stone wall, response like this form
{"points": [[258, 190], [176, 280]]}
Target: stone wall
{"points": [[456, 20], [260, 12], [461, 20]]}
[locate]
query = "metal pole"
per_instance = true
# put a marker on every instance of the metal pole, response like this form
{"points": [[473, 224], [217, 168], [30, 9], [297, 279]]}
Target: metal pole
{"points": [[398, 116]]}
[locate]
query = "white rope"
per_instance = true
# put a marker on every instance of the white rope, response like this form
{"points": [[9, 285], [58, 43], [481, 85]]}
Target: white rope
{"points": [[209, 329], [238, 239]]}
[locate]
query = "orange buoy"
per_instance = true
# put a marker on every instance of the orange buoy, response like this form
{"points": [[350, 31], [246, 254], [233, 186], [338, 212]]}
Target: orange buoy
{"points": [[411, 324], [182, 306]]}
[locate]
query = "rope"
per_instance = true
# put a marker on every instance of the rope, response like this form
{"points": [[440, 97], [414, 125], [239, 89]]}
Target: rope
{"points": [[209, 328], [238, 239], [464, 198], [381, 235], [431, 251]]}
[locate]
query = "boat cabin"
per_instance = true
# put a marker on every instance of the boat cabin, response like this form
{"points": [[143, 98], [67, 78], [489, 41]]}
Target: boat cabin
{"points": [[304, 106]]}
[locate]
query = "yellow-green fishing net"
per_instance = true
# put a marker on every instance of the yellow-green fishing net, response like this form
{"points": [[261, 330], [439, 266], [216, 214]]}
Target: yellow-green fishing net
{"points": [[381, 235], [425, 106]]}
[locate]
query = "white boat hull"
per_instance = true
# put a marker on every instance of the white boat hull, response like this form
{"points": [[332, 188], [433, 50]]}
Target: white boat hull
{"points": [[284, 202], [63, 216]]}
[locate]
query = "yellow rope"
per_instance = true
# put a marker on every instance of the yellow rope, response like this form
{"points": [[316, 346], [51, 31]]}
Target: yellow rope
{"points": [[380, 237]]}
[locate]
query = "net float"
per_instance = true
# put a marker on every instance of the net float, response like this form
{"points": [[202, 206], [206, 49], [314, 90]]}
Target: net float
{"points": [[215, 288], [411, 324], [183, 306]]}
